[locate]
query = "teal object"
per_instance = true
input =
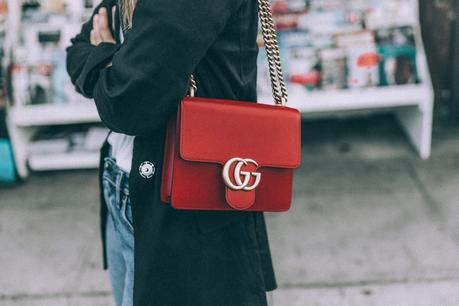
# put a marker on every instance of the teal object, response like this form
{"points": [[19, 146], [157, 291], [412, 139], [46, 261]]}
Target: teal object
{"points": [[7, 167]]}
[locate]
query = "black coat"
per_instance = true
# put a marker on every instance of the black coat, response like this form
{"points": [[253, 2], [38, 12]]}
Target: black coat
{"points": [[194, 258]]}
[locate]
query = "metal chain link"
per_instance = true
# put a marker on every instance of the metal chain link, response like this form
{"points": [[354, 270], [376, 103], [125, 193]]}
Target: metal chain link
{"points": [[193, 86], [272, 51], [268, 29]]}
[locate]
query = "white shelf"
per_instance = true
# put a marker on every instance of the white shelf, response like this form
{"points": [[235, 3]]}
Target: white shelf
{"points": [[64, 161], [358, 99], [53, 114], [24, 121], [412, 105]]}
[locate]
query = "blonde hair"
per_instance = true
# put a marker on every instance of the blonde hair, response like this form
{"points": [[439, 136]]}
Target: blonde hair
{"points": [[127, 10]]}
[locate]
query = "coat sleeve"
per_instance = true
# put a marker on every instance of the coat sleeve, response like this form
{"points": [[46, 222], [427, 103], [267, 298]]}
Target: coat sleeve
{"points": [[150, 71], [84, 60]]}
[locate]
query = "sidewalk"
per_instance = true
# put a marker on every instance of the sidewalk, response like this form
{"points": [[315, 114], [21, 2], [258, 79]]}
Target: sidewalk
{"points": [[371, 225]]}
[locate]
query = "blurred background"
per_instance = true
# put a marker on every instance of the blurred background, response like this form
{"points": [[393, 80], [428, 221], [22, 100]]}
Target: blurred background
{"points": [[375, 219]]}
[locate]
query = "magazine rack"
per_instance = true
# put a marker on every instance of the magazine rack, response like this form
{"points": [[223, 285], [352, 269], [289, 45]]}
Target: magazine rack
{"points": [[412, 104]]}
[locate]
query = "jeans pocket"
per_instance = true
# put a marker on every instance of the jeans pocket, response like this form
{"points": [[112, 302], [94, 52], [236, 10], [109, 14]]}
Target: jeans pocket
{"points": [[126, 213]]}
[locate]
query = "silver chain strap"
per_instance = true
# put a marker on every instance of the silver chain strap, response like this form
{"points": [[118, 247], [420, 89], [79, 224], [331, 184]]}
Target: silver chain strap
{"points": [[272, 51], [268, 29], [193, 86]]}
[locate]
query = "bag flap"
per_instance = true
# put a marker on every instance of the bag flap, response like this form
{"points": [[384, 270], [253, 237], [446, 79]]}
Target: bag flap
{"points": [[216, 131]]}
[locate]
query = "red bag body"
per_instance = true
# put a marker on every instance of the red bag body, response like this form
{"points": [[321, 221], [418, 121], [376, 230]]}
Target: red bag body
{"points": [[231, 155]]}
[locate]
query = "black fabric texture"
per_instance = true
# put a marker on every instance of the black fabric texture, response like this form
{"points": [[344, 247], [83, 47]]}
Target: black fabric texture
{"points": [[195, 258]]}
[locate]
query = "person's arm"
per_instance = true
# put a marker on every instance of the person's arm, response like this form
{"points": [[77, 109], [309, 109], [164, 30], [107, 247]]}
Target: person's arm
{"points": [[84, 59], [150, 71]]}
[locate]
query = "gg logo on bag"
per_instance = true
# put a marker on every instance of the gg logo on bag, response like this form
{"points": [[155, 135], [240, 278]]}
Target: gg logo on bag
{"points": [[240, 185]]}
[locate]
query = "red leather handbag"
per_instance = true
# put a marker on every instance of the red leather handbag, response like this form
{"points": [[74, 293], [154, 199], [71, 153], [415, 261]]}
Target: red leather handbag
{"points": [[233, 155]]}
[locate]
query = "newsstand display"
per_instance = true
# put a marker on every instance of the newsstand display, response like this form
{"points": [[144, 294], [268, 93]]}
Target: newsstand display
{"points": [[338, 56], [51, 126], [351, 55]]}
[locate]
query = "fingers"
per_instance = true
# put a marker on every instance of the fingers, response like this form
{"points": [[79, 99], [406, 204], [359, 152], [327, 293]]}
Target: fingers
{"points": [[95, 38], [103, 19], [100, 28], [95, 23], [103, 26], [113, 18]]}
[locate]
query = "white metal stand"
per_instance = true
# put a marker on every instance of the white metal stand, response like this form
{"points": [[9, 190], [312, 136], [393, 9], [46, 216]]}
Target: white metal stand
{"points": [[412, 104], [24, 120]]}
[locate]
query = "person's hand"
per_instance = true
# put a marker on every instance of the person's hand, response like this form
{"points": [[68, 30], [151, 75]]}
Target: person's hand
{"points": [[101, 29]]}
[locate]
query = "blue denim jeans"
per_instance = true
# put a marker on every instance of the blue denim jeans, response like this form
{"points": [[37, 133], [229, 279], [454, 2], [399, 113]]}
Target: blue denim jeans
{"points": [[119, 232]]}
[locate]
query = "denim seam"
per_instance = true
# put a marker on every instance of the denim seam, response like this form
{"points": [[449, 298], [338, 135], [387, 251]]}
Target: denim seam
{"points": [[109, 180]]}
